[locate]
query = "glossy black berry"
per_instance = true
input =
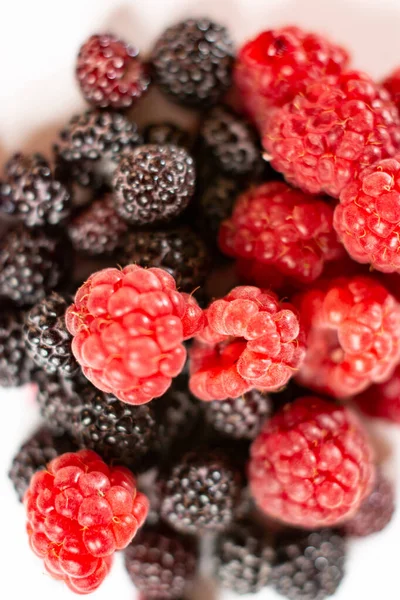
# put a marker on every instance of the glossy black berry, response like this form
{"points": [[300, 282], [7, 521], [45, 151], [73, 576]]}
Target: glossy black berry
{"points": [[310, 566], [49, 342], [31, 192], [165, 133], [153, 184], [15, 364], [192, 62], [180, 251]]}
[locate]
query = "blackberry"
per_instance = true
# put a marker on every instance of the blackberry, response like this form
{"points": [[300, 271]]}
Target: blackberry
{"points": [[119, 432], [179, 251], [161, 563], [231, 142], [243, 559], [241, 417], [60, 397], [15, 364], [98, 139], [31, 263], [376, 510], [214, 204], [97, 230], [201, 493], [153, 184], [32, 193], [48, 340], [192, 62], [166, 133], [34, 454], [310, 566]]}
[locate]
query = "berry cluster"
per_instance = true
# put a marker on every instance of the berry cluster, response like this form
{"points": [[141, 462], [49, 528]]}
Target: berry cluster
{"points": [[209, 407]]}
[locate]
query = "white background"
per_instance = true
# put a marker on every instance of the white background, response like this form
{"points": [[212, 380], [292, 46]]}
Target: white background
{"points": [[39, 40]]}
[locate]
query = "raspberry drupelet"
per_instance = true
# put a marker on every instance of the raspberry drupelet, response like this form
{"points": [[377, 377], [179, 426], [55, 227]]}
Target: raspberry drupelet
{"points": [[352, 326], [327, 134], [367, 219], [110, 73], [311, 466], [128, 328], [250, 341], [278, 64], [281, 228], [80, 511]]}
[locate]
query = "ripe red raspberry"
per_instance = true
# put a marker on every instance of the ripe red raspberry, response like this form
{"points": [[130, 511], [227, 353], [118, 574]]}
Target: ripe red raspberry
{"points": [[367, 219], [311, 465], [250, 341], [392, 84], [278, 64], [330, 132], [110, 72], [382, 400], [352, 327], [128, 329], [277, 226], [80, 511]]}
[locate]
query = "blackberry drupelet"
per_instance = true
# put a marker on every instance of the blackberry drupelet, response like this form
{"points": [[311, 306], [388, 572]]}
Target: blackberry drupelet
{"points": [[201, 492], [241, 417], [153, 184], [119, 432], [60, 397], [310, 566], [376, 511], [98, 229], [31, 263], [244, 559], [15, 364], [214, 205], [32, 193], [165, 133], [48, 341], [192, 62], [179, 251], [161, 563], [98, 139], [34, 454], [231, 142]]}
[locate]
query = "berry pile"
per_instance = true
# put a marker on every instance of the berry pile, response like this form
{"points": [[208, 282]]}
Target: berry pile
{"points": [[208, 407]]}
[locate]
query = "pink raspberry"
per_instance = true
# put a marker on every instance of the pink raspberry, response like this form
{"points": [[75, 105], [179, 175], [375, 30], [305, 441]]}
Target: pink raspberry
{"points": [[352, 327], [382, 400], [276, 226], [311, 466], [80, 512], [128, 329], [278, 64], [368, 217], [250, 341], [326, 135], [110, 73]]}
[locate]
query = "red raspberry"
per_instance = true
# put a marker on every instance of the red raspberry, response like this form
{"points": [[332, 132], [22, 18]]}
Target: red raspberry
{"points": [[80, 511], [392, 84], [128, 329], [278, 64], [376, 511], [368, 216], [277, 226], [311, 465], [338, 126], [250, 341], [382, 400], [352, 326], [110, 73]]}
